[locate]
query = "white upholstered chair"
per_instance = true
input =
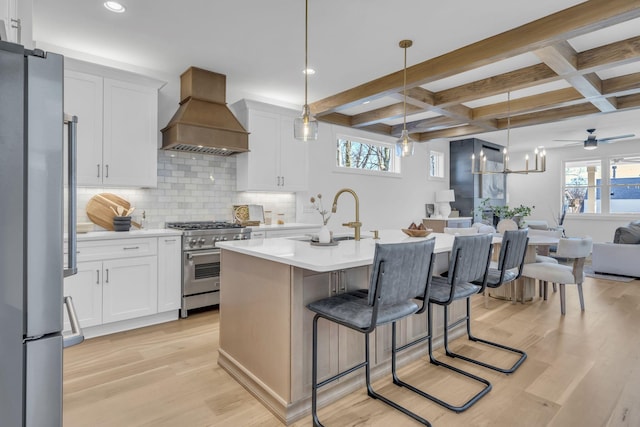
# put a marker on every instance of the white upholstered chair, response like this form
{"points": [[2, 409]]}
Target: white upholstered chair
{"points": [[506, 224], [576, 249]]}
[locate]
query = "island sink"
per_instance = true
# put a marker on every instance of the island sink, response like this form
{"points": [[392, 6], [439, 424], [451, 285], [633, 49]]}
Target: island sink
{"points": [[339, 238]]}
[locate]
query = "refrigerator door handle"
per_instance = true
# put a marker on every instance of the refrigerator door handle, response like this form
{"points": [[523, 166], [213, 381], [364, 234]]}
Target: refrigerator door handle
{"points": [[72, 124], [76, 336]]}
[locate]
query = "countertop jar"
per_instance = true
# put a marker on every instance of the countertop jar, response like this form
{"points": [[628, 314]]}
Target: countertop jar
{"points": [[280, 219], [267, 217]]}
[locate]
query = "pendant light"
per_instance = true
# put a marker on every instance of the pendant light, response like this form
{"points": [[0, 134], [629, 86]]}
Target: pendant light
{"points": [[540, 156], [404, 145], [305, 128]]}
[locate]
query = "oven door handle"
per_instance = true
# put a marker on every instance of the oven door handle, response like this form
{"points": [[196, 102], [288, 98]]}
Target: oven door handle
{"points": [[199, 254]]}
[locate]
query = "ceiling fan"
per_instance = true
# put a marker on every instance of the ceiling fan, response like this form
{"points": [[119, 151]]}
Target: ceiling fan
{"points": [[591, 143]]}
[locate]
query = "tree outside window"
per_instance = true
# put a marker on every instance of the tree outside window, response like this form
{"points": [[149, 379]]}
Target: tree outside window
{"points": [[370, 156]]}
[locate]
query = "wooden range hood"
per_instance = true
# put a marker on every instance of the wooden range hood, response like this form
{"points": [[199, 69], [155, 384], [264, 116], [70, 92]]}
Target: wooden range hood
{"points": [[203, 122]]}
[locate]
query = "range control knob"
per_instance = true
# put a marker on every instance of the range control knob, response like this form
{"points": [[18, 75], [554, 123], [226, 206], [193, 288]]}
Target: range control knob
{"points": [[201, 241], [245, 237], [224, 239], [237, 237], [192, 242]]}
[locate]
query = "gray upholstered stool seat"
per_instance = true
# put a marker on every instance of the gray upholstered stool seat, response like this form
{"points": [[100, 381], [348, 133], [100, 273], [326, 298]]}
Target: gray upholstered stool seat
{"points": [[441, 290], [496, 278], [400, 272], [354, 308]]}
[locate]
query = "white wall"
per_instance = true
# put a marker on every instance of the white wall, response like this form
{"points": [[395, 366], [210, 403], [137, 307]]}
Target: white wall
{"points": [[385, 202], [544, 190]]}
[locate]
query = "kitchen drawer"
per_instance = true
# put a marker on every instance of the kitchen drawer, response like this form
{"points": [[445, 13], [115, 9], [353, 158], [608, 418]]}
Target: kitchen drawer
{"points": [[113, 249]]}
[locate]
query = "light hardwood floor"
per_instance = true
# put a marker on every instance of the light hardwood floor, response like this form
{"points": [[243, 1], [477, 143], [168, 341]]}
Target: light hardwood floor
{"points": [[583, 370]]}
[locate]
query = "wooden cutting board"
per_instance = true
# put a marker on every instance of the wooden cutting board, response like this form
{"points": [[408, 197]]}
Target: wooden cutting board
{"points": [[99, 209]]}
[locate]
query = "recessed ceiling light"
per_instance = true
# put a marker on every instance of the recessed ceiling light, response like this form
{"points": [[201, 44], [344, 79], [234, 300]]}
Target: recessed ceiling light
{"points": [[309, 71], [114, 6]]}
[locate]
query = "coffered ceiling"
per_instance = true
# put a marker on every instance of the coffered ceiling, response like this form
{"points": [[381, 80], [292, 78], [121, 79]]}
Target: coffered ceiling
{"points": [[569, 64], [581, 61]]}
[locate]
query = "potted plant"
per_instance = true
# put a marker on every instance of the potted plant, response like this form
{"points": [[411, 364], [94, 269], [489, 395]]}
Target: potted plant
{"points": [[504, 212]]}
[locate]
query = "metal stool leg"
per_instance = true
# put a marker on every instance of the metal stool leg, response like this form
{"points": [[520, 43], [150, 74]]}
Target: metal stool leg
{"points": [[456, 408], [473, 338]]}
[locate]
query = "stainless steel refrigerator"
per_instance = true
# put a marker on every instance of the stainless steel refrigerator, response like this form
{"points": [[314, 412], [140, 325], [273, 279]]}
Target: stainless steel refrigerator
{"points": [[31, 236]]}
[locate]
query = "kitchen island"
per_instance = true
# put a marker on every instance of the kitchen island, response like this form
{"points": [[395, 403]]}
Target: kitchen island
{"points": [[266, 330]]}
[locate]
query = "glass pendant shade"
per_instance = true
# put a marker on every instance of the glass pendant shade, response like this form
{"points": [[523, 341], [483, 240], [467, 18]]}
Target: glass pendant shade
{"points": [[305, 127], [404, 145]]}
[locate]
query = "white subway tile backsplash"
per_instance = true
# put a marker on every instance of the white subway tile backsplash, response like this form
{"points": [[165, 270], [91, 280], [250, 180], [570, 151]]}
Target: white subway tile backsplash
{"points": [[187, 192]]}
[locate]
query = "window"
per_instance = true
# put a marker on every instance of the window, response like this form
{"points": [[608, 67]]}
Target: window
{"points": [[436, 165], [610, 185], [366, 156], [582, 190], [625, 185]]}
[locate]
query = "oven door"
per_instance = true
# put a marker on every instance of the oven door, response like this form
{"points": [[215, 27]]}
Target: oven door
{"points": [[201, 271]]}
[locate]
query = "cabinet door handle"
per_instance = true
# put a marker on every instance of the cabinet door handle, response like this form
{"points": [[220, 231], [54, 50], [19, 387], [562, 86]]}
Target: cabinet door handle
{"points": [[106, 280], [17, 24], [131, 248], [170, 240], [106, 175], [283, 181], [97, 277], [98, 167]]}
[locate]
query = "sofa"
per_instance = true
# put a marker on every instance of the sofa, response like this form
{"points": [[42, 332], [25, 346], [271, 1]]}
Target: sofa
{"points": [[621, 257]]}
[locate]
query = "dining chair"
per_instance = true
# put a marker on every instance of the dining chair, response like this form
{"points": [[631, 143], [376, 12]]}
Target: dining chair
{"points": [[469, 261], [506, 270], [571, 248], [506, 224], [400, 272]]}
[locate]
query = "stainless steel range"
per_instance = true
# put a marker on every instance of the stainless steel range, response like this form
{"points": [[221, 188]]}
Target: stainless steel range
{"points": [[201, 260]]}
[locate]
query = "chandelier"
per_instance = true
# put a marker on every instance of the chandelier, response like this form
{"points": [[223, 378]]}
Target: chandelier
{"points": [[540, 156]]}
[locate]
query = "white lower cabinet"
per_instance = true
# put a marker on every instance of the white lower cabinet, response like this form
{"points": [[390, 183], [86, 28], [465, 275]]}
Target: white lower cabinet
{"points": [[125, 280], [85, 288], [169, 273], [130, 288]]}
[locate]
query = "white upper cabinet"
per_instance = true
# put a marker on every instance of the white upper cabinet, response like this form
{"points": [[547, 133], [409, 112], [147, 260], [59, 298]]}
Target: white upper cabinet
{"points": [[17, 17], [130, 139], [117, 130], [83, 98], [276, 161]]}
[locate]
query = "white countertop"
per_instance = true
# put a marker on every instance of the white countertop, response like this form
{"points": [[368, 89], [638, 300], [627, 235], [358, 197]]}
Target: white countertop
{"points": [[285, 226], [347, 254], [132, 234]]}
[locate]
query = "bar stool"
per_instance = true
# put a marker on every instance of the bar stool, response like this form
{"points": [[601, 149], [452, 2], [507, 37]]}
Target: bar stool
{"points": [[470, 258], [512, 252], [400, 272]]}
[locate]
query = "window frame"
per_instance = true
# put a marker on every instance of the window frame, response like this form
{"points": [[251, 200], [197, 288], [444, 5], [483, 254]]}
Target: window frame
{"points": [[395, 162], [605, 187], [443, 158]]}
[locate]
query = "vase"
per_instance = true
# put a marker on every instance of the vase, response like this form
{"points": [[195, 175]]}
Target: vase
{"points": [[324, 236]]}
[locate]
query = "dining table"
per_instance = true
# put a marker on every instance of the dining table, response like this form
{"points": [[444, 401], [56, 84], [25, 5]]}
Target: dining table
{"points": [[524, 289]]}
